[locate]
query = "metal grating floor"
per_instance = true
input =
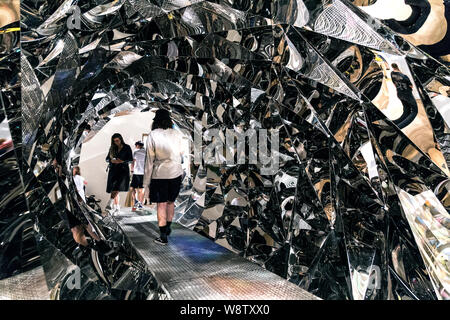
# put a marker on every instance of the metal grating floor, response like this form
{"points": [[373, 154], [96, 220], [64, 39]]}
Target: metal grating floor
{"points": [[193, 267]]}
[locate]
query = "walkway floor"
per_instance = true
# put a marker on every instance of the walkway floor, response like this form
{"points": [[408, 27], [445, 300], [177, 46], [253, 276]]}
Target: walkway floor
{"points": [[195, 268]]}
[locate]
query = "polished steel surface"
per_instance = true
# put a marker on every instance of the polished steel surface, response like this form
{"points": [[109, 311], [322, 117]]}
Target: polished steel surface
{"points": [[359, 206], [194, 267]]}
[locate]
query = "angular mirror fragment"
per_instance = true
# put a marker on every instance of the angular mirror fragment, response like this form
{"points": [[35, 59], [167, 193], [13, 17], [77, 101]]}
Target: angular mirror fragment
{"points": [[356, 151]]}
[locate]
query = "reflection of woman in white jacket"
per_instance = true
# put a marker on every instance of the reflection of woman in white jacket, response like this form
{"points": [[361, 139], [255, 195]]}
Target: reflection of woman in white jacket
{"points": [[80, 182], [163, 170]]}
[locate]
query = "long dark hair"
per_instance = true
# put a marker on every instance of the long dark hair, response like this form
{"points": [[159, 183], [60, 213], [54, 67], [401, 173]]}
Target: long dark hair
{"points": [[162, 120], [77, 171], [113, 149]]}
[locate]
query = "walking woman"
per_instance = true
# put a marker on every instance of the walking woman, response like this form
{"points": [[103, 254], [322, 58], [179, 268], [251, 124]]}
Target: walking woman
{"points": [[119, 157], [163, 170]]}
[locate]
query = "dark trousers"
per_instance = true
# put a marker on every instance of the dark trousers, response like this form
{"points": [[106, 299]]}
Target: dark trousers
{"points": [[410, 111]]}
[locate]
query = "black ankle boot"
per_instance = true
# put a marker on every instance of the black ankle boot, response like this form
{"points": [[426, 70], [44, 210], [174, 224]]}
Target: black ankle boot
{"points": [[161, 241], [163, 235]]}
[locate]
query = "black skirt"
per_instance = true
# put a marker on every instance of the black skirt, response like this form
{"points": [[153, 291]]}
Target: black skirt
{"points": [[118, 178], [119, 173], [164, 190]]}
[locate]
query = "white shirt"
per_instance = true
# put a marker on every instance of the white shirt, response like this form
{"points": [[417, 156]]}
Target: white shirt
{"points": [[139, 164], [164, 152], [79, 183]]}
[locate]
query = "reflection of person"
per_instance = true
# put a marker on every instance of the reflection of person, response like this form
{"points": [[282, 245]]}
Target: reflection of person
{"points": [[57, 167], [138, 175], [78, 233], [445, 91], [76, 226], [80, 182], [5, 146], [9, 12], [118, 157], [405, 95], [163, 170]]}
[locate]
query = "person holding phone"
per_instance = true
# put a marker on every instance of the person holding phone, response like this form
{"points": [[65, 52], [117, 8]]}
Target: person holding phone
{"points": [[119, 156]]}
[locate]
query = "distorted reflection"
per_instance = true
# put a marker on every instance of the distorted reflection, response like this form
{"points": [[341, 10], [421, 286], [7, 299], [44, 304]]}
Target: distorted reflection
{"points": [[357, 207]]}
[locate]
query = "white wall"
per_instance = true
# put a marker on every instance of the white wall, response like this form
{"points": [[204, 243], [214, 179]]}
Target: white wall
{"points": [[93, 152]]}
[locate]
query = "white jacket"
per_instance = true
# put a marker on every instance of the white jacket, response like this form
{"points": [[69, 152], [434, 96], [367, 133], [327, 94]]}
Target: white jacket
{"points": [[164, 154]]}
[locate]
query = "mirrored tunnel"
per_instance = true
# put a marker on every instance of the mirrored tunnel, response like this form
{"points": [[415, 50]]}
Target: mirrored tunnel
{"points": [[354, 102]]}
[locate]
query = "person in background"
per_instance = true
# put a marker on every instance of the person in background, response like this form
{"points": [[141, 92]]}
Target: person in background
{"points": [[119, 156], [405, 95], [80, 182], [76, 226], [137, 167], [163, 170]]}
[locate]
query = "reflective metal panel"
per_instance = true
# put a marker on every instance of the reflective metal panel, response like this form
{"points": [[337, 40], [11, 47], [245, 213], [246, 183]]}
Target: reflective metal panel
{"points": [[356, 91]]}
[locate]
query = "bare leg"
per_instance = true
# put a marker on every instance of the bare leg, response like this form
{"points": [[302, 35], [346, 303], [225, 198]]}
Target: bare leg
{"points": [[162, 213], [133, 192], [140, 195], [78, 235], [170, 210], [116, 197], [113, 194]]}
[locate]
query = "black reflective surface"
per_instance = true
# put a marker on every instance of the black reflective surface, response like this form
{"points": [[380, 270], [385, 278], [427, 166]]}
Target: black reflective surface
{"points": [[339, 216]]}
